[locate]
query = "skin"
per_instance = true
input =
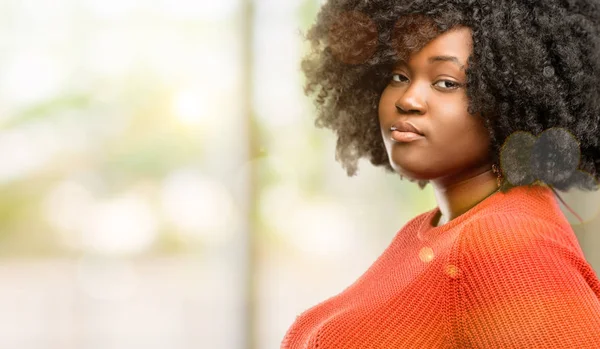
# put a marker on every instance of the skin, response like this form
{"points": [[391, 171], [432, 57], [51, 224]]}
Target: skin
{"points": [[454, 153]]}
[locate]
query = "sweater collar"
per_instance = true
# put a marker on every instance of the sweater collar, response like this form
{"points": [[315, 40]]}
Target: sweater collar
{"points": [[516, 198]]}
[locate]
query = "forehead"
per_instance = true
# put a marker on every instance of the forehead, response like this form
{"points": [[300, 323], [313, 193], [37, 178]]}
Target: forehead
{"points": [[453, 46]]}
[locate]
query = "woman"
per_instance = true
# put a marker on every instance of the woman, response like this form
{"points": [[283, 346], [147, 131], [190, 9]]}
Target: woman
{"points": [[496, 104]]}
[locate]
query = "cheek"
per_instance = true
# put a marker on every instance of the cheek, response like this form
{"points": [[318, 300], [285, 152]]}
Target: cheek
{"points": [[465, 138], [385, 107], [386, 114]]}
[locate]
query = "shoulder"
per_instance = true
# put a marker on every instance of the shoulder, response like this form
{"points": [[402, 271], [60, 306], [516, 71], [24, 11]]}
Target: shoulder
{"points": [[518, 250], [513, 233], [520, 275]]}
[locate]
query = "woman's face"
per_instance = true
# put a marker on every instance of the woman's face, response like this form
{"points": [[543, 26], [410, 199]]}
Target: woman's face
{"points": [[430, 94]]}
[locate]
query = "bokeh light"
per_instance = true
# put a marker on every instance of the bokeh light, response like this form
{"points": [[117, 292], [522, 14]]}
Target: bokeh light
{"points": [[201, 208]]}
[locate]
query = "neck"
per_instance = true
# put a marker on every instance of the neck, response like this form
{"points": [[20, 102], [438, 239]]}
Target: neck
{"points": [[455, 197]]}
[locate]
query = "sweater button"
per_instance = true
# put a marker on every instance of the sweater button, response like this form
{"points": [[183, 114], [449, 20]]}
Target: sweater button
{"points": [[426, 254], [452, 271]]}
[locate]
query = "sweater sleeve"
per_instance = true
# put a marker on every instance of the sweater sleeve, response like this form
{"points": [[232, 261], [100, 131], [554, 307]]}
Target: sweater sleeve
{"points": [[524, 283]]}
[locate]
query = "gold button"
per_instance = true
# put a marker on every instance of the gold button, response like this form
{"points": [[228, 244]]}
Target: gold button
{"points": [[452, 271], [426, 254]]}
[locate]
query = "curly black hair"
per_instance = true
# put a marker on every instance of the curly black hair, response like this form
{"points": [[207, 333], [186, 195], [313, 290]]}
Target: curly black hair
{"points": [[535, 65]]}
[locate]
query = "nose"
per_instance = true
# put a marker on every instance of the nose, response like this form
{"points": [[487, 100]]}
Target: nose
{"points": [[411, 101]]}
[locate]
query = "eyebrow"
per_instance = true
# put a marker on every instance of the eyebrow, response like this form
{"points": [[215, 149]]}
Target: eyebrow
{"points": [[445, 59], [442, 58]]}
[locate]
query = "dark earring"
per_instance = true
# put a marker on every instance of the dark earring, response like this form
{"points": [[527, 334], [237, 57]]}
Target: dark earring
{"points": [[496, 170]]}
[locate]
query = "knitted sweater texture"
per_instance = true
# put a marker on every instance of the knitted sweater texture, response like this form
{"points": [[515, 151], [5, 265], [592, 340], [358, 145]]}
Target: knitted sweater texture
{"points": [[508, 273]]}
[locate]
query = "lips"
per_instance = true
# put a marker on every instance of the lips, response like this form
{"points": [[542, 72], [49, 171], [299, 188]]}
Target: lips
{"points": [[404, 126]]}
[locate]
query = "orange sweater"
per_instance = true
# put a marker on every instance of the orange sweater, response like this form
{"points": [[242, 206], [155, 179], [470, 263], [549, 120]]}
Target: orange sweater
{"points": [[508, 273]]}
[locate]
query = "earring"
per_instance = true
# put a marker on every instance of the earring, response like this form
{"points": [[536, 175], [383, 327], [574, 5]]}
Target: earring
{"points": [[496, 170]]}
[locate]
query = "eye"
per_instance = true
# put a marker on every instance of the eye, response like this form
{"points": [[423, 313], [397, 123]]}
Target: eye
{"points": [[452, 84], [400, 76]]}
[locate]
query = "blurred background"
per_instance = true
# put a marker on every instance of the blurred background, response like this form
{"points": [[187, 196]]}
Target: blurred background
{"points": [[162, 184]]}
